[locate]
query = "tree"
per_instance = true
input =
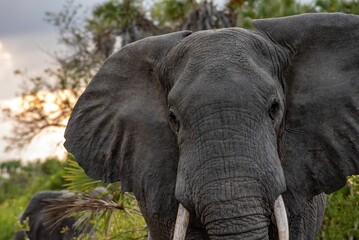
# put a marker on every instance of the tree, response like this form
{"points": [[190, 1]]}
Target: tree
{"points": [[247, 11], [206, 16], [170, 15], [351, 6], [119, 18]]}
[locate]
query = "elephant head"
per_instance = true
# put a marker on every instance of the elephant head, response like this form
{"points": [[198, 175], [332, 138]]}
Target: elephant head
{"points": [[225, 122]]}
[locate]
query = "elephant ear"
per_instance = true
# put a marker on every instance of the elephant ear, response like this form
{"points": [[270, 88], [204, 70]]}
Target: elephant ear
{"points": [[118, 130], [320, 138]]}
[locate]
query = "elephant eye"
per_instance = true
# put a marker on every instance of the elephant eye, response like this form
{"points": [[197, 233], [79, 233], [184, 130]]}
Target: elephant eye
{"points": [[273, 110], [174, 120]]}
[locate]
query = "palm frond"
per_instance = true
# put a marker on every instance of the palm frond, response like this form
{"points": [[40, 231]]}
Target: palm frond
{"points": [[97, 208], [77, 179], [57, 210]]}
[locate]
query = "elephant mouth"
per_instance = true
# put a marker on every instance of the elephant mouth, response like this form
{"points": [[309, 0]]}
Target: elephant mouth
{"points": [[183, 217]]}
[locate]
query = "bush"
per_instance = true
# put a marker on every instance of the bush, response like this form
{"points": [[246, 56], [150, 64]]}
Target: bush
{"points": [[341, 219]]}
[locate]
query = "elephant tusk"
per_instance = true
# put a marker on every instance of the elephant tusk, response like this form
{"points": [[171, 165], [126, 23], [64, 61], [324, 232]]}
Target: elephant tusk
{"points": [[181, 223], [281, 218]]}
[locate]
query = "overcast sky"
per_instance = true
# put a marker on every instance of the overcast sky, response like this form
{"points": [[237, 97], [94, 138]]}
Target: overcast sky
{"points": [[25, 38]]}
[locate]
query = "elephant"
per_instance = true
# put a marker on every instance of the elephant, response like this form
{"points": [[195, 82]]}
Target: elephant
{"points": [[242, 132], [37, 229], [65, 230]]}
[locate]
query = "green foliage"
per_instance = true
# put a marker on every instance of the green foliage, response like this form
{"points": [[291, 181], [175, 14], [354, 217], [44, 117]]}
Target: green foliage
{"points": [[33, 177], [116, 14], [10, 211], [169, 13], [341, 219], [9, 167], [351, 6], [124, 18], [76, 179], [108, 221], [249, 10]]}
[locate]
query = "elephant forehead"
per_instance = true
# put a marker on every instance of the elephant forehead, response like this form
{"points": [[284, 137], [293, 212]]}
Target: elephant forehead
{"points": [[224, 83], [220, 83], [233, 58], [229, 43], [210, 48]]}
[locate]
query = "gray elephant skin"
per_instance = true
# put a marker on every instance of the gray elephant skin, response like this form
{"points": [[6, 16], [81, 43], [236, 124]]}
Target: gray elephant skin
{"points": [[37, 229], [224, 122]]}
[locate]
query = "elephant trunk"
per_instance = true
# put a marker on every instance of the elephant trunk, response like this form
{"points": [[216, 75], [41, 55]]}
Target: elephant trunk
{"points": [[233, 209], [183, 217], [235, 205], [229, 177]]}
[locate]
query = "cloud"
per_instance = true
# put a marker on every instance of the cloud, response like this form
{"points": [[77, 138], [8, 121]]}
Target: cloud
{"points": [[24, 16], [6, 71], [13, 57], [5, 58], [27, 38]]}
